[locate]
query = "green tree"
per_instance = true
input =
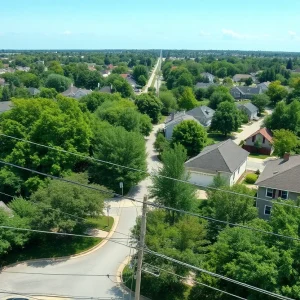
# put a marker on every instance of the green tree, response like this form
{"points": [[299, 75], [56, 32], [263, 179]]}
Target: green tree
{"points": [[191, 135], [284, 141], [161, 143], [172, 193], [261, 101], [218, 97], [49, 93], [116, 145], [187, 100], [142, 80], [149, 105], [276, 92], [169, 102], [5, 94], [59, 197], [289, 64], [58, 82], [28, 79], [140, 70], [226, 118], [56, 67]]}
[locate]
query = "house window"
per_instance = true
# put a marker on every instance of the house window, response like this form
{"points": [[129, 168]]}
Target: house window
{"points": [[264, 139], [269, 193], [284, 194], [267, 210], [253, 139]]}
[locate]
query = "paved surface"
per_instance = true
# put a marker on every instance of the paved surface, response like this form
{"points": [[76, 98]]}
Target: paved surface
{"points": [[105, 260], [152, 76]]}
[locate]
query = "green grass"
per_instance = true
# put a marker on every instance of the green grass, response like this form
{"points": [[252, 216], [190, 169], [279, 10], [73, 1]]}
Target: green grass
{"points": [[214, 137], [52, 246], [203, 103], [162, 119], [260, 156], [240, 130]]}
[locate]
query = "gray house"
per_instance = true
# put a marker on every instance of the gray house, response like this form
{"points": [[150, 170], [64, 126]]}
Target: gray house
{"points": [[264, 86], [226, 159], [203, 85], [174, 120], [5, 106], [33, 91], [245, 92], [209, 76], [75, 92], [203, 114], [250, 109], [280, 179]]}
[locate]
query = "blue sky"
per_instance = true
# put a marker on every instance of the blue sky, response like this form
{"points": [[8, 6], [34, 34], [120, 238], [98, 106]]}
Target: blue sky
{"points": [[155, 24]]}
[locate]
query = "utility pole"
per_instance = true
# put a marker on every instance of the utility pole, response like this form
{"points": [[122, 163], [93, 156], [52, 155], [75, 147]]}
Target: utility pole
{"points": [[141, 250]]}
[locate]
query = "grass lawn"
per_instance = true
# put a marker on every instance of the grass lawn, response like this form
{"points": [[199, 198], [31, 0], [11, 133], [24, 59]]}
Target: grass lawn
{"points": [[51, 246], [162, 119], [260, 156], [240, 130], [214, 137]]}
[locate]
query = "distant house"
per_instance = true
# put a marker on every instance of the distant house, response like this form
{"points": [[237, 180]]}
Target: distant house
{"points": [[241, 77], [110, 67], [225, 159], [245, 92], [250, 109], [174, 120], [130, 80], [5, 106], [33, 91], [264, 86], [106, 89], [203, 114], [75, 92], [105, 73], [23, 69], [265, 137], [209, 76], [203, 85], [280, 179]]}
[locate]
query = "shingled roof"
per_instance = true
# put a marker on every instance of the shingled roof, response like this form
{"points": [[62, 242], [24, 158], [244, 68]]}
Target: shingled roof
{"points": [[281, 174], [225, 156], [265, 132]]}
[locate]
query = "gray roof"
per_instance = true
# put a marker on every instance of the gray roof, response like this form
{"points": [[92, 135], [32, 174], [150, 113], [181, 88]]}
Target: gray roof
{"points": [[248, 106], [180, 119], [281, 174], [247, 90], [238, 77], [203, 85], [202, 112], [33, 91], [5, 207], [75, 92], [106, 89], [5, 106], [225, 156], [174, 116]]}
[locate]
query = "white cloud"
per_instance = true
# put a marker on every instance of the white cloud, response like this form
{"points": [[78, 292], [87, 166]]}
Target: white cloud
{"points": [[293, 35], [67, 32], [203, 33]]}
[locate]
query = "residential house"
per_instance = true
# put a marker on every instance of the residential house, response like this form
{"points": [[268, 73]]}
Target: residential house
{"points": [[105, 73], [33, 91], [280, 179], [130, 80], [240, 77], [5, 106], [203, 114], [209, 76], [264, 86], [245, 92], [203, 85], [23, 69], [75, 92], [264, 136], [250, 110], [225, 159], [106, 89], [174, 120]]}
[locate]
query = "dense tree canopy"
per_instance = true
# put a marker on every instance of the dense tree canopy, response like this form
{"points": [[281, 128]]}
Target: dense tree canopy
{"points": [[58, 82], [187, 100], [284, 141], [150, 105]]}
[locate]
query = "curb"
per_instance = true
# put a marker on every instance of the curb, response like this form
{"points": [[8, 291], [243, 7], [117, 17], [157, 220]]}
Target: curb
{"points": [[119, 279], [62, 258]]}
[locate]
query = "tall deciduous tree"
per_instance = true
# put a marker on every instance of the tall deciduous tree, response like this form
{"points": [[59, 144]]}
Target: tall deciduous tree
{"points": [[140, 70], [172, 193], [226, 118], [261, 101], [191, 135], [169, 102], [150, 105], [116, 145], [218, 97], [58, 82], [187, 100], [276, 92], [284, 141]]}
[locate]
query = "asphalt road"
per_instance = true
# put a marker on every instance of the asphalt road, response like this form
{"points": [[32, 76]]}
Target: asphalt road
{"points": [[152, 76], [105, 260]]}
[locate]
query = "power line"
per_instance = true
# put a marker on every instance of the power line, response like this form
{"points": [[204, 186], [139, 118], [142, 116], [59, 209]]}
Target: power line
{"points": [[148, 173], [7, 195], [200, 283], [219, 276], [158, 205]]}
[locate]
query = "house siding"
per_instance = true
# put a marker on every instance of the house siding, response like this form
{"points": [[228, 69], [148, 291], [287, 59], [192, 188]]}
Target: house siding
{"points": [[236, 175], [261, 203], [266, 148]]}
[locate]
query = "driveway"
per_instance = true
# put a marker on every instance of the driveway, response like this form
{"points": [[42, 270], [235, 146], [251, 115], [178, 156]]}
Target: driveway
{"points": [[82, 279], [249, 129]]}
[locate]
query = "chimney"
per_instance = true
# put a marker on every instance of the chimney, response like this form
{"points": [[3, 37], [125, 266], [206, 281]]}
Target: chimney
{"points": [[286, 156]]}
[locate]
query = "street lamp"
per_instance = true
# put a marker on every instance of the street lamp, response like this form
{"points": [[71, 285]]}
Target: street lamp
{"points": [[107, 209]]}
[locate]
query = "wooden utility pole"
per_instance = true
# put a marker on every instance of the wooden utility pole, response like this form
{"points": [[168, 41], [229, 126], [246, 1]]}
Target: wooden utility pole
{"points": [[141, 250]]}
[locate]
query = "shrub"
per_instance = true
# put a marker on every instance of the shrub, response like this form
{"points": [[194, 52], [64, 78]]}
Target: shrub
{"points": [[251, 178]]}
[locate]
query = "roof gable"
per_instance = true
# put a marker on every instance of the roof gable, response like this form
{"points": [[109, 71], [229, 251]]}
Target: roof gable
{"points": [[265, 132], [201, 112]]}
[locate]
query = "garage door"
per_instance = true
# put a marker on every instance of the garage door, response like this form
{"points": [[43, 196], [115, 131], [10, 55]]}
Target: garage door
{"points": [[201, 178]]}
